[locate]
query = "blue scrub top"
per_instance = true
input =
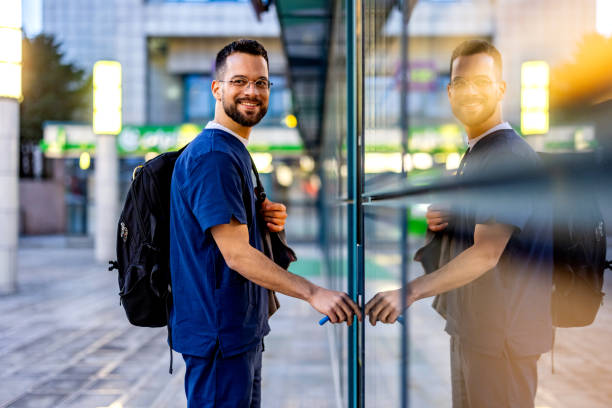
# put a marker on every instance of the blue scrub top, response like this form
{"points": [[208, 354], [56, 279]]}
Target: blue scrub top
{"points": [[213, 304], [508, 308]]}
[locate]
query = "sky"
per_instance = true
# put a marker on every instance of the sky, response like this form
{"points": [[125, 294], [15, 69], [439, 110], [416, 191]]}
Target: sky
{"points": [[32, 17], [604, 17]]}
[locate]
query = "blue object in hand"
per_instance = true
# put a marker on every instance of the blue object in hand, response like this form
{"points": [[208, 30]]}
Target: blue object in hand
{"points": [[326, 319]]}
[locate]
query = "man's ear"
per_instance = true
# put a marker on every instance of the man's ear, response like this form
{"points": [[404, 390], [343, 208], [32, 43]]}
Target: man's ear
{"points": [[448, 91], [501, 89], [215, 87]]}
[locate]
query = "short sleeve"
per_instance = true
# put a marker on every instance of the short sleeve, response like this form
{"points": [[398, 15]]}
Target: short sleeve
{"points": [[508, 204], [214, 190]]}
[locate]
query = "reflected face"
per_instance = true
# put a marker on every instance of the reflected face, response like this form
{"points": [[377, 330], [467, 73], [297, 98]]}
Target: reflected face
{"points": [[475, 91], [246, 105]]}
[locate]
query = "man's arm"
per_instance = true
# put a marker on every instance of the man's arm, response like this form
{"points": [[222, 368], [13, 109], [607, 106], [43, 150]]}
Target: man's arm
{"points": [[490, 240], [233, 242]]}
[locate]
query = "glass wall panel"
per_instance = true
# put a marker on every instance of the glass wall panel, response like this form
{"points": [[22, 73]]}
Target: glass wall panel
{"points": [[382, 81], [333, 171], [383, 272], [384, 145], [555, 82], [426, 382]]}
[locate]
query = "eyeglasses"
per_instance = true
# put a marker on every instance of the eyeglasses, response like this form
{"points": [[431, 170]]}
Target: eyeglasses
{"points": [[461, 84], [241, 83]]}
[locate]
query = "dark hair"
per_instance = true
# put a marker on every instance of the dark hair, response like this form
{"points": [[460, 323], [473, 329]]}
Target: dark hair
{"points": [[473, 47], [243, 45]]}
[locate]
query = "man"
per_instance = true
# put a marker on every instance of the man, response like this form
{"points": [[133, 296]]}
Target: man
{"points": [[219, 276], [499, 280]]}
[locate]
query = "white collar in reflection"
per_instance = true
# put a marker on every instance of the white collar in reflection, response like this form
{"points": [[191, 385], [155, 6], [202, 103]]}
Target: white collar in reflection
{"points": [[501, 126]]}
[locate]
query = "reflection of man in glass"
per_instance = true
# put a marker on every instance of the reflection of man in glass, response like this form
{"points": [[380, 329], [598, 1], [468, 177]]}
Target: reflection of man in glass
{"points": [[497, 285]]}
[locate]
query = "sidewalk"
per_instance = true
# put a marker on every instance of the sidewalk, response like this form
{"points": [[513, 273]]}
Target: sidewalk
{"points": [[65, 342]]}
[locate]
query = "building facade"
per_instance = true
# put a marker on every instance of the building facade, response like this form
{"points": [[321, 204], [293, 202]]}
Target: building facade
{"points": [[167, 51]]}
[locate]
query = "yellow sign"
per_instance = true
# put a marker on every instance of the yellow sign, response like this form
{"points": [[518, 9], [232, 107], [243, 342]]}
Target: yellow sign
{"points": [[535, 78], [107, 98], [84, 161]]}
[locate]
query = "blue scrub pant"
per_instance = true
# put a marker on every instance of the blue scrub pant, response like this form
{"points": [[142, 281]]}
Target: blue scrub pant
{"points": [[216, 382]]}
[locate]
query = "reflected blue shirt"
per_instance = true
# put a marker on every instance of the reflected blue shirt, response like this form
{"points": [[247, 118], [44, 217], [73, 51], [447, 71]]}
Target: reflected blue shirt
{"points": [[213, 304], [508, 308]]}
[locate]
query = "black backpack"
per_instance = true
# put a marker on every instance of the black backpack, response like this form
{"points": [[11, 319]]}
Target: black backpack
{"points": [[579, 251], [143, 245]]}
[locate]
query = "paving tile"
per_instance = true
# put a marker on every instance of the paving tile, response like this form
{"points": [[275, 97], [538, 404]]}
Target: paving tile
{"points": [[91, 400], [31, 400], [65, 342], [80, 371], [61, 385]]}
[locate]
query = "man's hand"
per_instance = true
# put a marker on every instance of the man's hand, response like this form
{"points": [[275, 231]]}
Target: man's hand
{"points": [[338, 306], [274, 214], [437, 217], [386, 306]]}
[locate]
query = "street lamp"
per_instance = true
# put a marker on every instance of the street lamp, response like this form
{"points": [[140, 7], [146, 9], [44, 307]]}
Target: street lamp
{"points": [[10, 49], [106, 125], [107, 98], [10, 94]]}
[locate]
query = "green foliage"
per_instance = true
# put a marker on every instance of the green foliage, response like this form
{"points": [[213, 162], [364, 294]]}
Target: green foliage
{"points": [[52, 90]]}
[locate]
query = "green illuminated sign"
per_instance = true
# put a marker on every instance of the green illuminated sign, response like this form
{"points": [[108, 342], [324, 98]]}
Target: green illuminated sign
{"points": [[70, 139]]}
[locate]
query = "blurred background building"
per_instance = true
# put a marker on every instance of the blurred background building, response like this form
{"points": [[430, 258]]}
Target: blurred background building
{"points": [[167, 51]]}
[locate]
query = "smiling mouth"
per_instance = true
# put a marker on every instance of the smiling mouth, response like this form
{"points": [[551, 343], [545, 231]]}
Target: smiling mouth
{"points": [[471, 105], [249, 104]]}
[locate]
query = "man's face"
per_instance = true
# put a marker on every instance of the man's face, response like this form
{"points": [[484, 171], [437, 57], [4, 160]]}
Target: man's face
{"points": [[243, 101], [475, 89]]}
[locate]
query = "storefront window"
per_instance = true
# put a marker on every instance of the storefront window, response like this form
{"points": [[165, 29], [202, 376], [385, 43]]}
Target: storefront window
{"points": [[409, 144]]}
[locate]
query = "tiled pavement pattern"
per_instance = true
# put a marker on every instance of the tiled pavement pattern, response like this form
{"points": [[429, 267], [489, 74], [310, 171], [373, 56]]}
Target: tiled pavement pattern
{"points": [[64, 342]]}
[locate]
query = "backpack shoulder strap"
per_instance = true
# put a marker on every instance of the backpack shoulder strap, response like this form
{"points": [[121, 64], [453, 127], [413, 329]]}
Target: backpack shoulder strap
{"points": [[259, 190]]}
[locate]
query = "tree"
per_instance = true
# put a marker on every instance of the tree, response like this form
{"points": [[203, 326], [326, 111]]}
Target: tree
{"points": [[52, 90]]}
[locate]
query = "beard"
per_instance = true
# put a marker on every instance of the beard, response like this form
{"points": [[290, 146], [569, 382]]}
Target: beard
{"points": [[473, 116], [249, 119]]}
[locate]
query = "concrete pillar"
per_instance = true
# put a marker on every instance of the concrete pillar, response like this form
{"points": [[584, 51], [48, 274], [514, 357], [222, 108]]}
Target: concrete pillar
{"points": [[107, 197], [9, 194]]}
